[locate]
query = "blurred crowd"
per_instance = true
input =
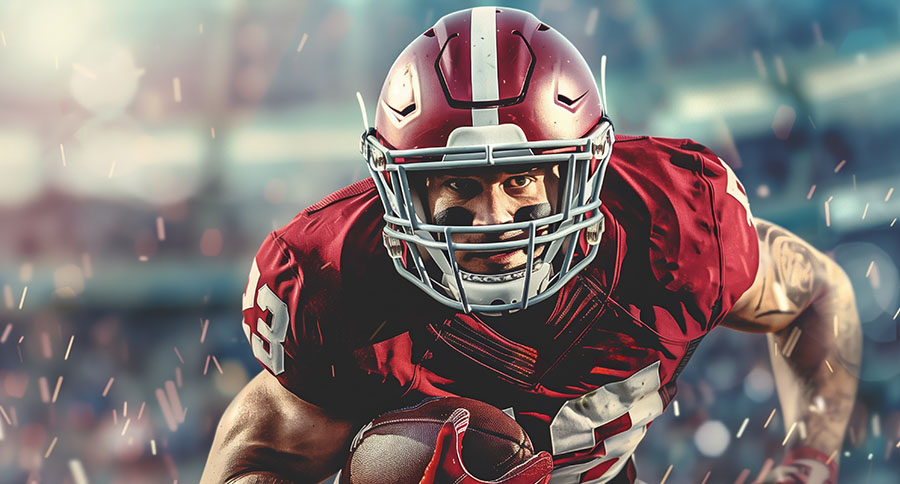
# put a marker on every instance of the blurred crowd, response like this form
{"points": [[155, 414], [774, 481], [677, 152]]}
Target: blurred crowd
{"points": [[147, 148]]}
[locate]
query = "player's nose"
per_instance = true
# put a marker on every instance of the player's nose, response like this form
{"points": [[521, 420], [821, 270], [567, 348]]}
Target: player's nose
{"points": [[494, 207]]}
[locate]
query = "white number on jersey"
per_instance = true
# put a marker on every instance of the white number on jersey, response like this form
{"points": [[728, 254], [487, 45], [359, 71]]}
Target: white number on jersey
{"points": [[573, 427], [736, 190], [273, 333]]}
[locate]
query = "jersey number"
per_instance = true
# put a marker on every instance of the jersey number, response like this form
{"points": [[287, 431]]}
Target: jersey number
{"points": [[737, 191], [572, 429], [272, 333]]}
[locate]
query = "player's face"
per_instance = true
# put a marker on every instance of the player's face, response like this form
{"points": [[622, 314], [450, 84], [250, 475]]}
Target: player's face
{"points": [[493, 197]]}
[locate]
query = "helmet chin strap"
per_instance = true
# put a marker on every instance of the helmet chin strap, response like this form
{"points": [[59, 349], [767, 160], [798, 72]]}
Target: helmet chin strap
{"points": [[505, 288]]}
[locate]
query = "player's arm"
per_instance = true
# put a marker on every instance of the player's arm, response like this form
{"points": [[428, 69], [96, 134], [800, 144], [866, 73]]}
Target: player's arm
{"points": [[805, 302], [269, 435]]}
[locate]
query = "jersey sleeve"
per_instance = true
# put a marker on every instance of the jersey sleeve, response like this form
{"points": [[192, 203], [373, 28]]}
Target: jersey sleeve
{"points": [[285, 339], [736, 233]]}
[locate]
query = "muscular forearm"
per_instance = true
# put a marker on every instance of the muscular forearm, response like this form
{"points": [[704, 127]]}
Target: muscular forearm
{"points": [[816, 362]]}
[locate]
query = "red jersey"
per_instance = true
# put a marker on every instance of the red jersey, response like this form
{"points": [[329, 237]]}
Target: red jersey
{"points": [[584, 372]]}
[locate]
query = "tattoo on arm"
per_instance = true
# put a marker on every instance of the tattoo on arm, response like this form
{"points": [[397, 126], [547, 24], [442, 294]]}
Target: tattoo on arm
{"points": [[790, 284], [816, 357]]}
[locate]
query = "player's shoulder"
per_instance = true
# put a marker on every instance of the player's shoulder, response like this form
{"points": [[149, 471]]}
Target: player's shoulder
{"points": [[685, 211], [342, 227], [667, 155]]}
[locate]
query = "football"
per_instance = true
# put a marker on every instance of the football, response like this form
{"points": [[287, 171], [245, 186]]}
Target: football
{"points": [[396, 447]]}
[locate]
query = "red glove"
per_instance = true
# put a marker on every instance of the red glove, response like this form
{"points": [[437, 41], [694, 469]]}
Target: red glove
{"points": [[446, 465], [804, 465]]}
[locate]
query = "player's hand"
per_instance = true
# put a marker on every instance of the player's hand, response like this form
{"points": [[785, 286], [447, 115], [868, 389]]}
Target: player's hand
{"points": [[804, 466], [446, 466]]}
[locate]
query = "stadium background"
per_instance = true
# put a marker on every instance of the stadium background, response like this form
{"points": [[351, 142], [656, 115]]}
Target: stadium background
{"points": [[146, 148]]}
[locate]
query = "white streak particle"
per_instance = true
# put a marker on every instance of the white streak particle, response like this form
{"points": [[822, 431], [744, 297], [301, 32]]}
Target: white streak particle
{"points": [[740, 431], [302, 42]]}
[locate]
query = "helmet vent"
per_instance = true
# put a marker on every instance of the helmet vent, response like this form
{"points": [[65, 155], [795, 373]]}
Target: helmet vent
{"points": [[543, 27], [405, 111], [567, 101], [429, 33]]}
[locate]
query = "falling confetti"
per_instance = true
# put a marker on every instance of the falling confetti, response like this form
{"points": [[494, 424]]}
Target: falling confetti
{"points": [[840, 165], [125, 408], [222, 373], [676, 408], [115, 417], [591, 25], [125, 428], [789, 432], [791, 342], [8, 296], [766, 425], [812, 189], [832, 456], [302, 42], [5, 416], [706, 477], [50, 449], [3, 38], [108, 385], [160, 229], [69, 348], [176, 89], [760, 64], [893, 222], [178, 379], [742, 476], [764, 471], [869, 270], [56, 390], [212, 132], [22, 300], [865, 211], [166, 409], [206, 366], [666, 475], [827, 215], [143, 258], [77, 470], [112, 169], [62, 154], [780, 70], [178, 354], [6, 332], [45, 390], [740, 431], [889, 193], [153, 446], [378, 330], [141, 410], [200, 28], [203, 326], [46, 348]]}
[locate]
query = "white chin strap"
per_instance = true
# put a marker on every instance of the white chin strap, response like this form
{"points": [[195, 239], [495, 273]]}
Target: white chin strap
{"points": [[496, 289]]}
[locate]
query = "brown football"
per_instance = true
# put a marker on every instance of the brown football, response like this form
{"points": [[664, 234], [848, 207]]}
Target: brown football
{"points": [[395, 448]]}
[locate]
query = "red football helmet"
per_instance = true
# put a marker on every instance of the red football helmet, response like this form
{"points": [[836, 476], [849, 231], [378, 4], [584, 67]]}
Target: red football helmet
{"points": [[490, 86]]}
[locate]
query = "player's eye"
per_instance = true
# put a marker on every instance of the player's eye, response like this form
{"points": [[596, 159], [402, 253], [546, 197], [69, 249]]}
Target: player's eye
{"points": [[519, 181], [465, 187]]}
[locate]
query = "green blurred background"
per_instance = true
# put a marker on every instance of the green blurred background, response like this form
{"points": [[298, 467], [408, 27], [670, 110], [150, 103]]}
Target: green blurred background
{"points": [[147, 148]]}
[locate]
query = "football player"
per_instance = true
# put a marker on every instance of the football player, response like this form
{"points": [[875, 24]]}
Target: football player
{"points": [[510, 247]]}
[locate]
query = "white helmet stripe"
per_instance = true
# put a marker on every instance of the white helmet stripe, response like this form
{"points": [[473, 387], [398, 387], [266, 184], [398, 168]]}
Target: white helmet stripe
{"points": [[485, 84]]}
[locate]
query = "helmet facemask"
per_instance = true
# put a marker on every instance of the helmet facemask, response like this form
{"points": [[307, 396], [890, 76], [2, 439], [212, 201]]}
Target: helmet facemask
{"points": [[432, 252]]}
